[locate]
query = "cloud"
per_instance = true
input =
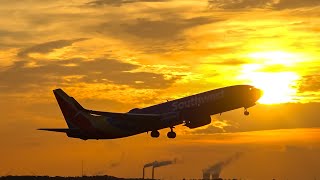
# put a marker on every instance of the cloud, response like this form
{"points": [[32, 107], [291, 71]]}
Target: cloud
{"points": [[167, 29], [292, 4], [14, 38], [216, 126], [267, 4], [48, 46], [16, 34], [266, 117], [101, 3], [155, 29], [210, 129], [21, 77], [310, 83], [230, 62], [238, 4], [152, 35]]}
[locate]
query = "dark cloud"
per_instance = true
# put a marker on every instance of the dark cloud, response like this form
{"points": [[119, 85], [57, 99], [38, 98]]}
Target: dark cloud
{"points": [[153, 36], [292, 4], [20, 77], [165, 29], [14, 38], [276, 5], [268, 117], [14, 35], [101, 3], [48, 46], [310, 83], [231, 62], [238, 4]]}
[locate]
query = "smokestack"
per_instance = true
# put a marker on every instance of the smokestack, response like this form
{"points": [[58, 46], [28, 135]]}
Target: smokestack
{"points": [[144, 167], [143, 173], [206, 175], [156, 164]]}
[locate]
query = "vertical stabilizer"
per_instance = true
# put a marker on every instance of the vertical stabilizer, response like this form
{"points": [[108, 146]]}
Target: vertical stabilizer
{"points": [[70, 108]]}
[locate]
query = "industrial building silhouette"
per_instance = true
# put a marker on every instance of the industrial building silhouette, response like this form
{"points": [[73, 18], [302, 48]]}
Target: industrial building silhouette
{"points": [[81, 178], [212, 172], [64, 178]]}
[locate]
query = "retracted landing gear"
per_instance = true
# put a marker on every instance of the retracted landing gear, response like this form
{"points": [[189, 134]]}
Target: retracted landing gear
{"points": [[246, 112], [155, 134], [171, 134]]}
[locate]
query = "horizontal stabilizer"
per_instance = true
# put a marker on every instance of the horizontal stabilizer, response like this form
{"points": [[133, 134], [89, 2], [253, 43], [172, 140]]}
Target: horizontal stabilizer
{"points": [[64, 130]]}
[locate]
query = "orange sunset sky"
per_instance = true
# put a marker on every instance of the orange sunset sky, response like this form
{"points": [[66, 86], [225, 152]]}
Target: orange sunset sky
{"points": [[114, 55]]}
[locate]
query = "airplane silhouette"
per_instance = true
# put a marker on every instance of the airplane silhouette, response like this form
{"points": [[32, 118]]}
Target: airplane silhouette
{"points": [[192, 111]]}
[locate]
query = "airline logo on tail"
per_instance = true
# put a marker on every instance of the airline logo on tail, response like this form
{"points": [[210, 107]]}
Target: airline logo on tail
{"points": [[72, 111]]}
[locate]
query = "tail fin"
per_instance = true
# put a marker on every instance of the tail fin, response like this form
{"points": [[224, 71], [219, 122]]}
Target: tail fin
{"points": [[70, 108]]}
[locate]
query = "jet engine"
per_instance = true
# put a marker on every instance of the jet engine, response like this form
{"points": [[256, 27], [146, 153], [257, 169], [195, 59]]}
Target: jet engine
{"points": [[135, 110], [197, 121]]}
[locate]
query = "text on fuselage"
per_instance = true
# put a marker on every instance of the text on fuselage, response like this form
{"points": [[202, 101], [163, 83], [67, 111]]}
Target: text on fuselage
{"points": [[197, 100]]}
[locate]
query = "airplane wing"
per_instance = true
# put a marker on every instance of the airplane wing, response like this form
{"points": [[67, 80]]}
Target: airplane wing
{"points": [[132, 116], [144, 120], [125, 115]]}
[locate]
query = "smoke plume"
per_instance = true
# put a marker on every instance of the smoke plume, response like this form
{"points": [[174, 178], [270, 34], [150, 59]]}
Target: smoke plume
{"points": [[156, 164], [149, 164], [216, 169]]}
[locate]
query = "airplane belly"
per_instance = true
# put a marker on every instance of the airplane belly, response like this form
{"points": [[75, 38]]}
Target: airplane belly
{"points": [[215, 107], [110, 128]]}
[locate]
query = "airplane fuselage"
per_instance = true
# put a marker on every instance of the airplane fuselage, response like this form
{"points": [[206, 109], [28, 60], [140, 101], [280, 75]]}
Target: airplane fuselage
{"points": [[192, 108], [192, 111]]}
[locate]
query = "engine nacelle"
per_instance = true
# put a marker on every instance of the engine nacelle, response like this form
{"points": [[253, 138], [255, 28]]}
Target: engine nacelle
{"points": [[194, 122], [135, 110]]}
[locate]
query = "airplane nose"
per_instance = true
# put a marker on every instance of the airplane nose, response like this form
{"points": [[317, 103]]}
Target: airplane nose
{"points": [[259, 93]]}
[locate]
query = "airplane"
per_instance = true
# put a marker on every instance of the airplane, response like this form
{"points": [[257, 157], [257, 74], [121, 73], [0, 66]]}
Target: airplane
{"points": [[192, 111]]}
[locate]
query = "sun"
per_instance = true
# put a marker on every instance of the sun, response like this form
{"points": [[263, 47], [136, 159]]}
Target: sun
{"points": [[279, 86]]}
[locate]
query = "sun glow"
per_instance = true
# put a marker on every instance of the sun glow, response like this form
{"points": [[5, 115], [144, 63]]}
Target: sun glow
{"points": [[275, 57], [278, 86]]}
